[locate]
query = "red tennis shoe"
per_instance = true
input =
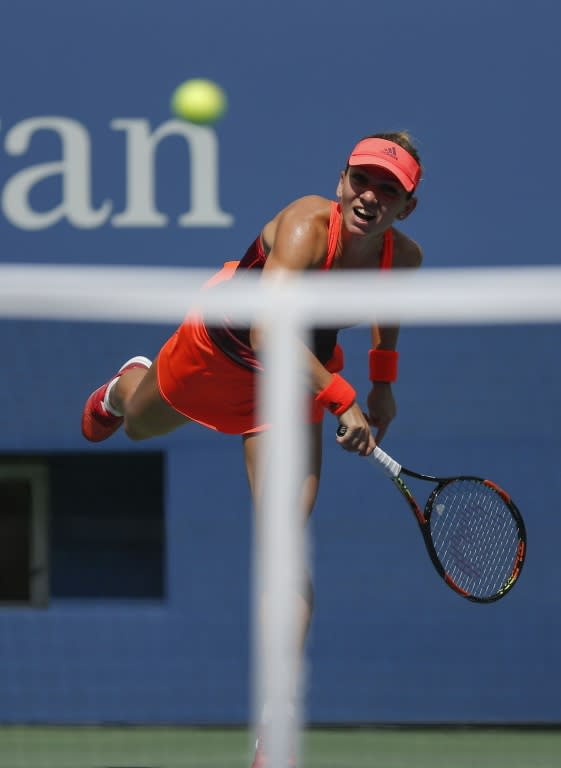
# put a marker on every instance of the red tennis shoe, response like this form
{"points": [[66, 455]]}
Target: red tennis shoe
{"points": [[97, 422]]}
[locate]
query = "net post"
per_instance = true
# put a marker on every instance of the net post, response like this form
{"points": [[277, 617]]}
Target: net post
{"points": [[280, 544]]}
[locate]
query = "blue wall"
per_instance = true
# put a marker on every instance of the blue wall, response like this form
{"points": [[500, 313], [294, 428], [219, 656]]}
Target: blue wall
{"points": [[476, 83]]}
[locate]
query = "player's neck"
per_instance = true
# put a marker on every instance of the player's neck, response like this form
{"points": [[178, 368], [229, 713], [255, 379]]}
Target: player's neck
{"points": [[357, 252]]}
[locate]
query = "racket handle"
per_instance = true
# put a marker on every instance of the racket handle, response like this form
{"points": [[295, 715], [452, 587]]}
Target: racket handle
{"points": [[378, 457], [385, 462]]}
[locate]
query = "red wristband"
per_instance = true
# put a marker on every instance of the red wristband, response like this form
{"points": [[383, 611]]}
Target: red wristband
{"points": [[337, 396], [382, 364]]}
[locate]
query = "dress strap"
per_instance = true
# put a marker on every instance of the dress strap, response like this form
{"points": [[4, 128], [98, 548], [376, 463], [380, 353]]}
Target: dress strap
{"points": [[387, 250], [333, 234]]}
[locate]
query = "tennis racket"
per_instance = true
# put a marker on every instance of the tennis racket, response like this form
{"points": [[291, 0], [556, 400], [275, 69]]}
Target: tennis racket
{"points": [[472, 529]]}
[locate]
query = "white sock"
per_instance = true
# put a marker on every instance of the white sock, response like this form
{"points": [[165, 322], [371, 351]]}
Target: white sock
{"points": [[107, 402]]}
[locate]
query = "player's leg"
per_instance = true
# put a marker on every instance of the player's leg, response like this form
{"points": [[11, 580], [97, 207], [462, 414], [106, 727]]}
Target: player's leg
{"points": [[131, 397], [253, 446], [146, 414]]}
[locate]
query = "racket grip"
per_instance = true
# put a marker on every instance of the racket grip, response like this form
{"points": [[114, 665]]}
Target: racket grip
{"points": [[378, 457], [385, 462]]}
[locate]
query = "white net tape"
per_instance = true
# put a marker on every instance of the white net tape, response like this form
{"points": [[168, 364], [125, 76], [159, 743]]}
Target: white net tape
{"points": [[285, 306], [152, 295]]}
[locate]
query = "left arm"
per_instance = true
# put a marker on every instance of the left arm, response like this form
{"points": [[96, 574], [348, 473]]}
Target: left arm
{"points": [[381, 403]]}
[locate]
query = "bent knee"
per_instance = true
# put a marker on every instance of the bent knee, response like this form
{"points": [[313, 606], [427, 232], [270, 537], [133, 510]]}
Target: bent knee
{"points": [[135, 430], [141, 423], [137, 423]]}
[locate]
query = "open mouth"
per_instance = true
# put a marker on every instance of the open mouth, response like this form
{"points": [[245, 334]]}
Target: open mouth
{"points": [[363, 214]]}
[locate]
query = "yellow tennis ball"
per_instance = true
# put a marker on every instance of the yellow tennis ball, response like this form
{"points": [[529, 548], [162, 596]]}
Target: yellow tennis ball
{"points": [[199, 101]]}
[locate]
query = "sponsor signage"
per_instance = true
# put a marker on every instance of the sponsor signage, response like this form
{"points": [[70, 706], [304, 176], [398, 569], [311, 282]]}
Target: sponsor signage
{"points": [[74, 169]]}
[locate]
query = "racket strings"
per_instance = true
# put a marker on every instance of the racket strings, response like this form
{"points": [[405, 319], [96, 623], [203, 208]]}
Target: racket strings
{"points": [[475, 536]]}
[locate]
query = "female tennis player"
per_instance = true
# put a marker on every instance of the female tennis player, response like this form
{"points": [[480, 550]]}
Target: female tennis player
{"points": [[208, 374]]}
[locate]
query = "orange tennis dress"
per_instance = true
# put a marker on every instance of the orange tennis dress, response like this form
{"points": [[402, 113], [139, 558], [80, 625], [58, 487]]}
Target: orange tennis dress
{"points": [[211, 374]]}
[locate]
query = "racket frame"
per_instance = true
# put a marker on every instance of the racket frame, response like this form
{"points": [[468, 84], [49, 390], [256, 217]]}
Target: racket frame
{"points": [[394, 470], [423, 518]]}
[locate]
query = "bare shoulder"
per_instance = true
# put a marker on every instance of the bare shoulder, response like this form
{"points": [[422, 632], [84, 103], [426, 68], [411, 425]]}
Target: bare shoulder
{"points": [[308, 209], [408, 254], [300, 227]]}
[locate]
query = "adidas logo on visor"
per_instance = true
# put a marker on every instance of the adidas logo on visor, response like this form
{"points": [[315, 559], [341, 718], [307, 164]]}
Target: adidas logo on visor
{"points": [[391, 152]]}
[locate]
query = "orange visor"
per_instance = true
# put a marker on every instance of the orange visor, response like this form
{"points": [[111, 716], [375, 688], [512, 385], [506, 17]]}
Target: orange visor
{"points": [[393, 158]]}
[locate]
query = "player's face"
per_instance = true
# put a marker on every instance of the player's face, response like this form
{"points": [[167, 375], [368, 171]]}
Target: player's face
{"points": [[371, 199]]}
